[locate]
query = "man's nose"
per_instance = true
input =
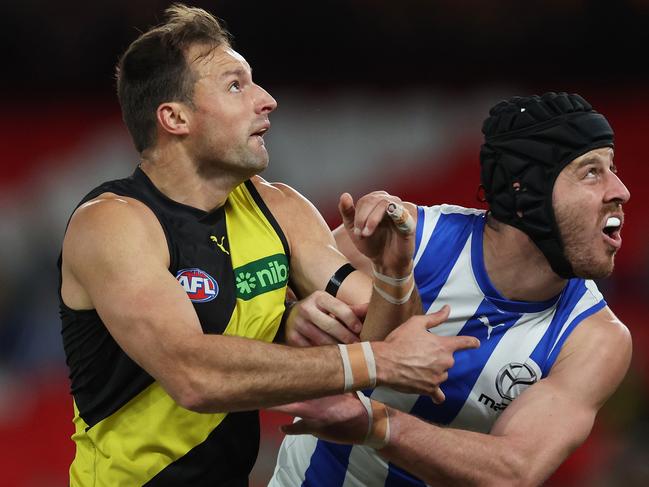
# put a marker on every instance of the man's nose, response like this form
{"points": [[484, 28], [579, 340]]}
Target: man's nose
{"points": [[617, 190], [264, 102]]}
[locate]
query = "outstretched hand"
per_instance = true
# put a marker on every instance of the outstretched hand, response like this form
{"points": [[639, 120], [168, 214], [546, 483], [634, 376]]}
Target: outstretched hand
{"points": [[413, 360]]}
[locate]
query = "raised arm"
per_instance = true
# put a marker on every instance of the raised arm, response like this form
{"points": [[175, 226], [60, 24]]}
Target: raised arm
{"points": [[532, 437], [385, 253], [319, 318]]}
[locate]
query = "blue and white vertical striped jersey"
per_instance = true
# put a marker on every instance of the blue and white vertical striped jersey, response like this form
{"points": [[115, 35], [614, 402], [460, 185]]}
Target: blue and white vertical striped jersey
{"points": [[519, 343]]}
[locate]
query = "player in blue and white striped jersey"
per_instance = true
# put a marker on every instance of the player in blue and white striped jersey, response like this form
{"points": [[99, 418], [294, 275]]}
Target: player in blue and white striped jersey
{"points": [[518, 278]]}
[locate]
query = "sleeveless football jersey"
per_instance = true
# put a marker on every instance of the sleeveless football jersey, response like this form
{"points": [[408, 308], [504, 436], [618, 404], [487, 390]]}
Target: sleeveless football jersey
{"points": [[519, 343], [233, 264]]}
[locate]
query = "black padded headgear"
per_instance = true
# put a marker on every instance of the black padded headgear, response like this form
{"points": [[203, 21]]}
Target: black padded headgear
{"points": [[528, 141]]}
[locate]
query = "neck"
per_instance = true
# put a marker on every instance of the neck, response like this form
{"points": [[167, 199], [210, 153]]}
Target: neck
{"points": [[182, 179], [516, 266]]}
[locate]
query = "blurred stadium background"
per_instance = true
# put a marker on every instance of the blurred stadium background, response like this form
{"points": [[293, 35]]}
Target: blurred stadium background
{"points": [[373, 94]]}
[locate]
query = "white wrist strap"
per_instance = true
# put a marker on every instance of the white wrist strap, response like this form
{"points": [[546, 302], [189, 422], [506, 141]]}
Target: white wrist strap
{"points": [[392, 281], [347, 368], [359, 366], [391, 299], [370, 362], [378, 426]]}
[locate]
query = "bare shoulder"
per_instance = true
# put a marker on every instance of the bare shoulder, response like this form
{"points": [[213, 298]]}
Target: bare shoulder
{"points": [[107, 235], [279, 196], [110, 224], [602, 331], [295, 214], [113, 215], [597, 355]]}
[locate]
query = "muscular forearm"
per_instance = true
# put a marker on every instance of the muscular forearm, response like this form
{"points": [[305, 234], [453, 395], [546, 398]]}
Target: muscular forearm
{"points": [[383, 317], [225, 373], [445, 456]]}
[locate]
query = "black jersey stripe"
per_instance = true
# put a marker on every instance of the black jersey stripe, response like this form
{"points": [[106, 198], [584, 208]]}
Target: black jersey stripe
{"points": [[224, 459], [103, 377], [269, 216]]}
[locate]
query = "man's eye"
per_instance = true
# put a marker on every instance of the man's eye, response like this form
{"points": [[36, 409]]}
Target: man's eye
{"points": [[592, 172], [234, 87]]}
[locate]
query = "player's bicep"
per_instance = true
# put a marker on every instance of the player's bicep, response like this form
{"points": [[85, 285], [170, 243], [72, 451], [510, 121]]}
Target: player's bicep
{"points": [[544, 425], [117, 256], [553, 417], [314, 254]]}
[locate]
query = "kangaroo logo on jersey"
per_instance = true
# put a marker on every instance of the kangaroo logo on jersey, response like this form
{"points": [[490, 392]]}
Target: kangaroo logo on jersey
{"points": [[261, 276], [513, 379], [198, 284]]}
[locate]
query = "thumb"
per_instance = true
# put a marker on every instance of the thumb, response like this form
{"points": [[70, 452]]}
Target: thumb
{"points": [[438, 317], [297, 428], [347, 210]]}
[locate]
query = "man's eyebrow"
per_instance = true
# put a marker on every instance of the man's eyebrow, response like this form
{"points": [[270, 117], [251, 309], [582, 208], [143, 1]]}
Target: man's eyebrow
{"points": [[589, 160], [236, 71]]}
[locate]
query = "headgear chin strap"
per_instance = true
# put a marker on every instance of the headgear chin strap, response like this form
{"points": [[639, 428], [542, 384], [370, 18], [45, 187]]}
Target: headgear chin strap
{"points": [[528, 142]]}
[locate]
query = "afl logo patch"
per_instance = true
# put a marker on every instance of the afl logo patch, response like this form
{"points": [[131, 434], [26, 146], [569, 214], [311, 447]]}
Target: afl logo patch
{"points": [[199, 285]]}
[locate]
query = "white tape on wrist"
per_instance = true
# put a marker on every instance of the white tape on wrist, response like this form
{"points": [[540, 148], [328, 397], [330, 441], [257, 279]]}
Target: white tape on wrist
{"points": [[391, 299], [392, 281], [347, 368], [370, 362], [359, 366], [378, 426]]}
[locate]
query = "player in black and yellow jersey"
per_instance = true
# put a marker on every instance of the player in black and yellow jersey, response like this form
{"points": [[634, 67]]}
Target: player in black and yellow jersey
{"points": [[173, 280]]}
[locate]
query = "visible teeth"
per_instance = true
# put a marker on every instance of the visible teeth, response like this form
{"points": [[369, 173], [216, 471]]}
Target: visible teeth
{"points": [[613, 222]]}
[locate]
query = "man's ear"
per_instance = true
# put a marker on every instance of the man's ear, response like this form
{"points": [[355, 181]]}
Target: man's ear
{"points": [[173, 117]]}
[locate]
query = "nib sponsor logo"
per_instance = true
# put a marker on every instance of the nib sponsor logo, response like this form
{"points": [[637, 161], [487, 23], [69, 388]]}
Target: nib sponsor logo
{"points": [[261, 276], [198, 284]]}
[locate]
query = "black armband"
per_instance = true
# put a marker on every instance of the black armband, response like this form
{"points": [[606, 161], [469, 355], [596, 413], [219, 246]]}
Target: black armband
{"points": [[337, 279]]}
